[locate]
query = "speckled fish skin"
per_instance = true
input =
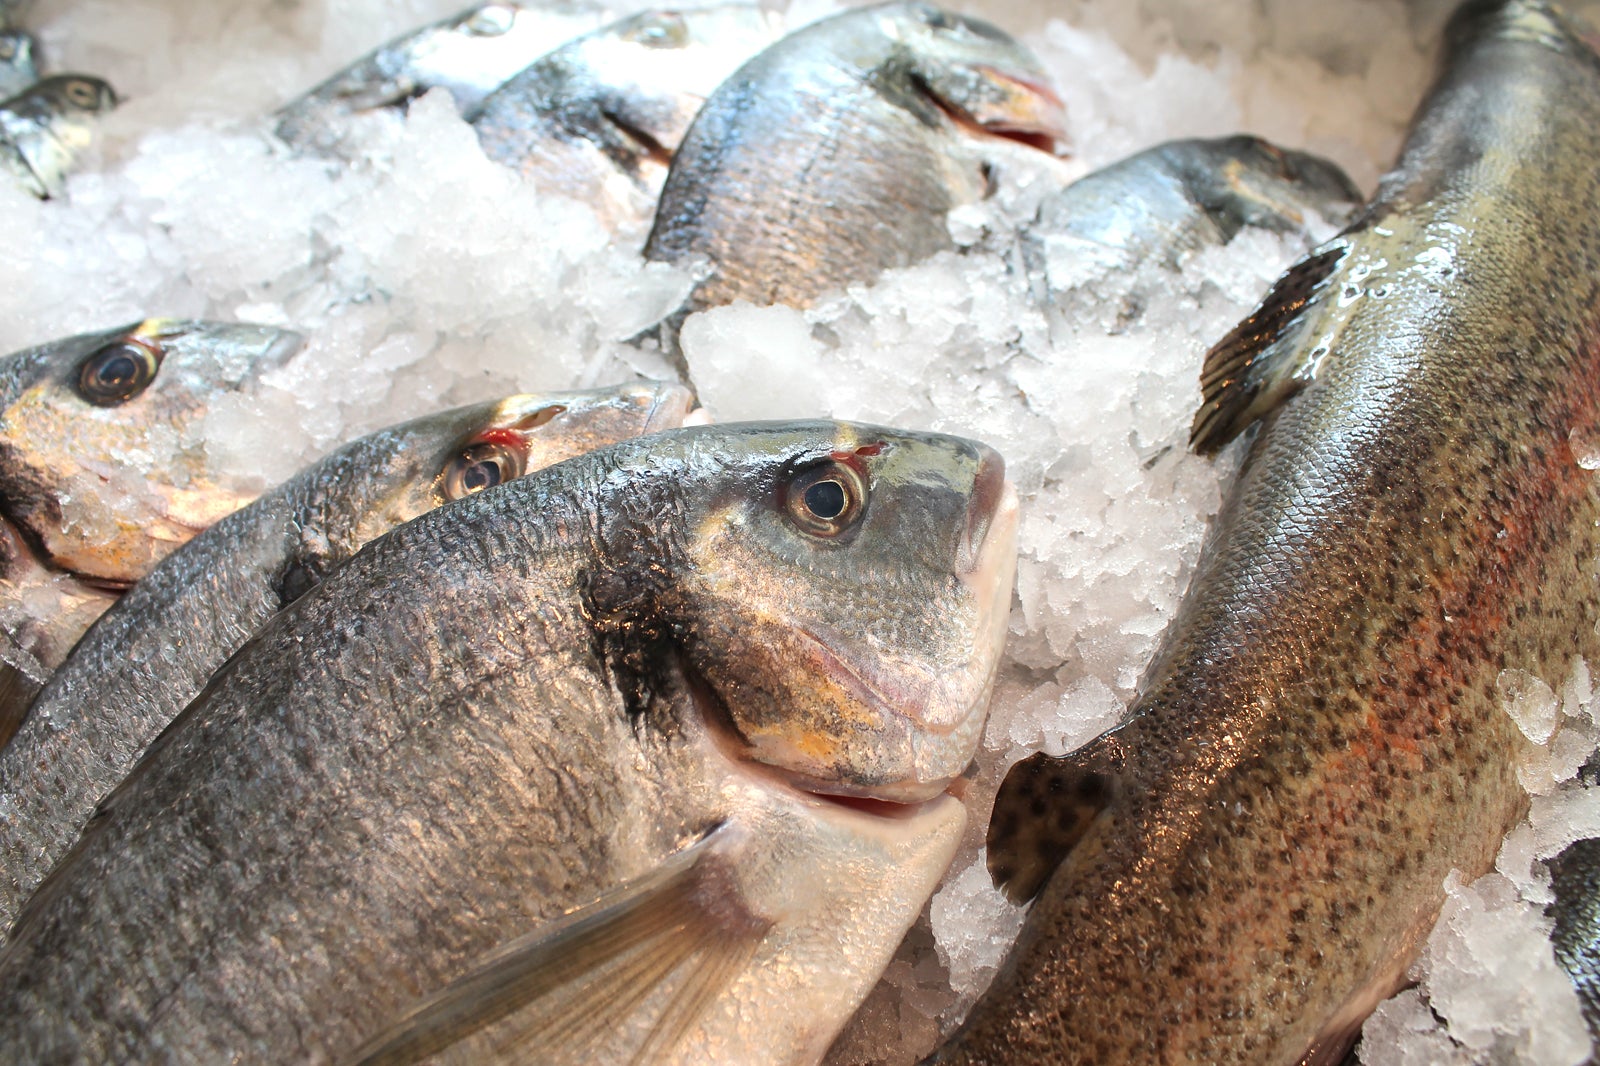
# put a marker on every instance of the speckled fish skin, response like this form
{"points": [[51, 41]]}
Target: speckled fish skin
{"points": [[18, 66], [1575, 912], [838, 152], [470, 54], [599, 118], [45, 128], [1251, 861], [82, 522], [518, 701], [134, 671]]}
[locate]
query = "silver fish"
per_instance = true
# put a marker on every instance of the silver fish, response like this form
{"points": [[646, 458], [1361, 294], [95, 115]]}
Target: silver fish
{"points": [[18, 65], [1242, 870], [470, 55], [1575, 914], [838, 152], [599, 118], [589, 767], [102, 472], [45, 128], [141, 664]]}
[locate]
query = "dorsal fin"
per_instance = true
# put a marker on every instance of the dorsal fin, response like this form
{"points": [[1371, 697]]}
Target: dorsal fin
{"points": [[1044, 807], [669, 942], [1258, 365]]}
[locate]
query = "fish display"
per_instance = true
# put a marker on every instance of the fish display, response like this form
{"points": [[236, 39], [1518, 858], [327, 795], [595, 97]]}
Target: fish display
{"points": [[593, 762], [599, 118], [1246, 866], [153, 652], [102, 473], [837, 153], [1575, 911], [45, 128], [18, 67], [470, 55]]}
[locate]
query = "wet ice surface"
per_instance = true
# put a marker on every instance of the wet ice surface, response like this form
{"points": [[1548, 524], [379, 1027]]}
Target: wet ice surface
{"points": [[428, 276]]}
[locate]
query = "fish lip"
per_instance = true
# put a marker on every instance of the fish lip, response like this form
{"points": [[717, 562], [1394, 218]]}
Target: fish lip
{"points": [[671, 408], [1033, 115]]}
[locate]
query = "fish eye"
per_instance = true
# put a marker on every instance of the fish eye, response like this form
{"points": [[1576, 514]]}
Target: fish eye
{"points": [[82, 94], [478, 467], [826, 500], [118, 372], [665, 30]]}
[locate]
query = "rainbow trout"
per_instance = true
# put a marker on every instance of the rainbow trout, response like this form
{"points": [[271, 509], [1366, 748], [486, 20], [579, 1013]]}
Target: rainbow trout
{"points": [[588, 767], [103, 473], [1245, 867], [140, 665]]}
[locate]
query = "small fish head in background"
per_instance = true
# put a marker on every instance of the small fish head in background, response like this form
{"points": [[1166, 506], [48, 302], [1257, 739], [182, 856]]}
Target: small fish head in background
{"points": [[44, 129], [975, 74], [1246, 181], [19, 67], [845, 600], [103, 463]]}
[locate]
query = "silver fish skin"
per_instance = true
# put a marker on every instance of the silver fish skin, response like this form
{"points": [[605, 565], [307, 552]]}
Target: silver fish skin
{"points": [[1242, 870], [103, 472], [838, 152], [603, 712], [599, 118], [18, 62], [470, 55], [1575, 915], [45, 128], [153, 652]]}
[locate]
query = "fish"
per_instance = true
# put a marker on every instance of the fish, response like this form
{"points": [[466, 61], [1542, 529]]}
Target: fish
{"points": [[837, 153], [18, 66], [45, 128], [469, 55], [103, 473], [1247, 865], [152, 653], [590, 767], [1575, 916], [599, 118], [12, 12]]}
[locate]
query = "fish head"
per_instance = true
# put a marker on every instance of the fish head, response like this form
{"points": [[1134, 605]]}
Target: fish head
{"points": [[67, 97], [1247, 181], [104, 466], [979, 76], [18, 67], [845, 604]]}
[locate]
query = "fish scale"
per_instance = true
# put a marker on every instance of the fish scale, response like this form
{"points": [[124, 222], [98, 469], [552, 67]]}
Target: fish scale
{"points": [[1250, 862]]}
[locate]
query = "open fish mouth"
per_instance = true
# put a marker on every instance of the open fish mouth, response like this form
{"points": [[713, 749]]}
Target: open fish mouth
{"points": [[1025, 110]]}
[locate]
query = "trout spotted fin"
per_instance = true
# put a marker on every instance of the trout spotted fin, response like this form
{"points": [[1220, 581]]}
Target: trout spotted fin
{"points": [[562, 994], [1044, 807], [1258, 366]]}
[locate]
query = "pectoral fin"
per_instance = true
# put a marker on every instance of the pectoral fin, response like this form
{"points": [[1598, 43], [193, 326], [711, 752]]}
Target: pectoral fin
{"points": [[1260, 364], [1044, 807], [666, 944]]}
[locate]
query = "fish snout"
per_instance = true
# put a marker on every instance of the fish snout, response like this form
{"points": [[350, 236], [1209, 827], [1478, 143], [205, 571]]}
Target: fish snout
{"points": [[1021, 108]]}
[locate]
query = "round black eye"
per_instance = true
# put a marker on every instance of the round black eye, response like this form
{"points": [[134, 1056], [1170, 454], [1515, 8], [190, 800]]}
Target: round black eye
{"points": [[117, 373], [826, 500], [479, 467]]}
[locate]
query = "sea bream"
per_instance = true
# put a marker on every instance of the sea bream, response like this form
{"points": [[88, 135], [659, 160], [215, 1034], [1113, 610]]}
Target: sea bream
{"points": [[103, 473], [838, 152], [470, 55], [45, 129], [589, 767], [18, 65], [1243, 869], [599, 118], [153, 652]]}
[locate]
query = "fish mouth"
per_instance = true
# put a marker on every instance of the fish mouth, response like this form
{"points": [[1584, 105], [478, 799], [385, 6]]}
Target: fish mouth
{"points": [[672, 406], [1025, 110]]}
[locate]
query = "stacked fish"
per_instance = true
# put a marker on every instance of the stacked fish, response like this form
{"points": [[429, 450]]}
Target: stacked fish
{"points": [[560, 728]]}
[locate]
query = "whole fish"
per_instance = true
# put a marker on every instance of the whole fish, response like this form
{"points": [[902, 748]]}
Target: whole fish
{"points": [[102, 473], [1575, 911], [470, 55], [18, 67], [45, 128], [1242, 870], [837, 153], [599, 118], [133, 672], [588, 767]]}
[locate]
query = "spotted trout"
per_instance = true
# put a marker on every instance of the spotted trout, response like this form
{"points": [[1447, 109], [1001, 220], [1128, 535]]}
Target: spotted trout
{"points": [[592, 766], [103, 472], [1241, 871], [140, 665]]}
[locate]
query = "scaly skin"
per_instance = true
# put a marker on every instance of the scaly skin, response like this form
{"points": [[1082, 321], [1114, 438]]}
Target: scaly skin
{"points": [[1320, 740]]}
